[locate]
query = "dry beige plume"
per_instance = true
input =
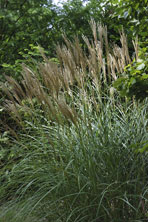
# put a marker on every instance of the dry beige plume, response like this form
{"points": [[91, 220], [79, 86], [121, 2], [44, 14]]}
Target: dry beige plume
{"points": [[78, 76]]}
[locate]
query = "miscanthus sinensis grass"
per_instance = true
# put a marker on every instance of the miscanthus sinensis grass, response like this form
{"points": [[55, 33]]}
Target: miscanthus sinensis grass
{"points": [[54, 85], [84, 172], [76, 141]]}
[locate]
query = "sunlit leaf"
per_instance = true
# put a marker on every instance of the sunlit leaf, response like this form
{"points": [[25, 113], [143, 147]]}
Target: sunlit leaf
{"points": [[141, 66]]}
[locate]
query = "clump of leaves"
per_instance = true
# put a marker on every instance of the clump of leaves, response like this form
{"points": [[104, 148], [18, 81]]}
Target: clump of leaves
{"points": [[134, 80], [27, 56]]}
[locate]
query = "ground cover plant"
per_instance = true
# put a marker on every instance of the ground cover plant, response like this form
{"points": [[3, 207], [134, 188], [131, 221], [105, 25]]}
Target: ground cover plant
{"points": [[78, 152]]}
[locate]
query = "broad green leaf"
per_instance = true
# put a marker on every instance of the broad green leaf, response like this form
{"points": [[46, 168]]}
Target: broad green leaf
{"points": [[136, 6], [141, 66], [132, 81], [144, 76], [5, 65], [125, 14]]}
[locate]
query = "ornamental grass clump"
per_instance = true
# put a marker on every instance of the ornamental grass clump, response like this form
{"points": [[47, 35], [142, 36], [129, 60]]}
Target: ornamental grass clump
{"points": [[56, 86], [86, 172], [78, 155]]}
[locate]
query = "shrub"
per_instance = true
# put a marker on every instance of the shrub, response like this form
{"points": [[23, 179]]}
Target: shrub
{"points": [[134, 80]]}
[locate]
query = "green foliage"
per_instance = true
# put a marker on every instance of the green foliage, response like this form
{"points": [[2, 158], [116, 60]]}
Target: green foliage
{"points": [[134, 80], [135, 14], [76, 14], [29, 56], [78, 154], [24, 24], [140, 147], [80, 173], [42, 23]]}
